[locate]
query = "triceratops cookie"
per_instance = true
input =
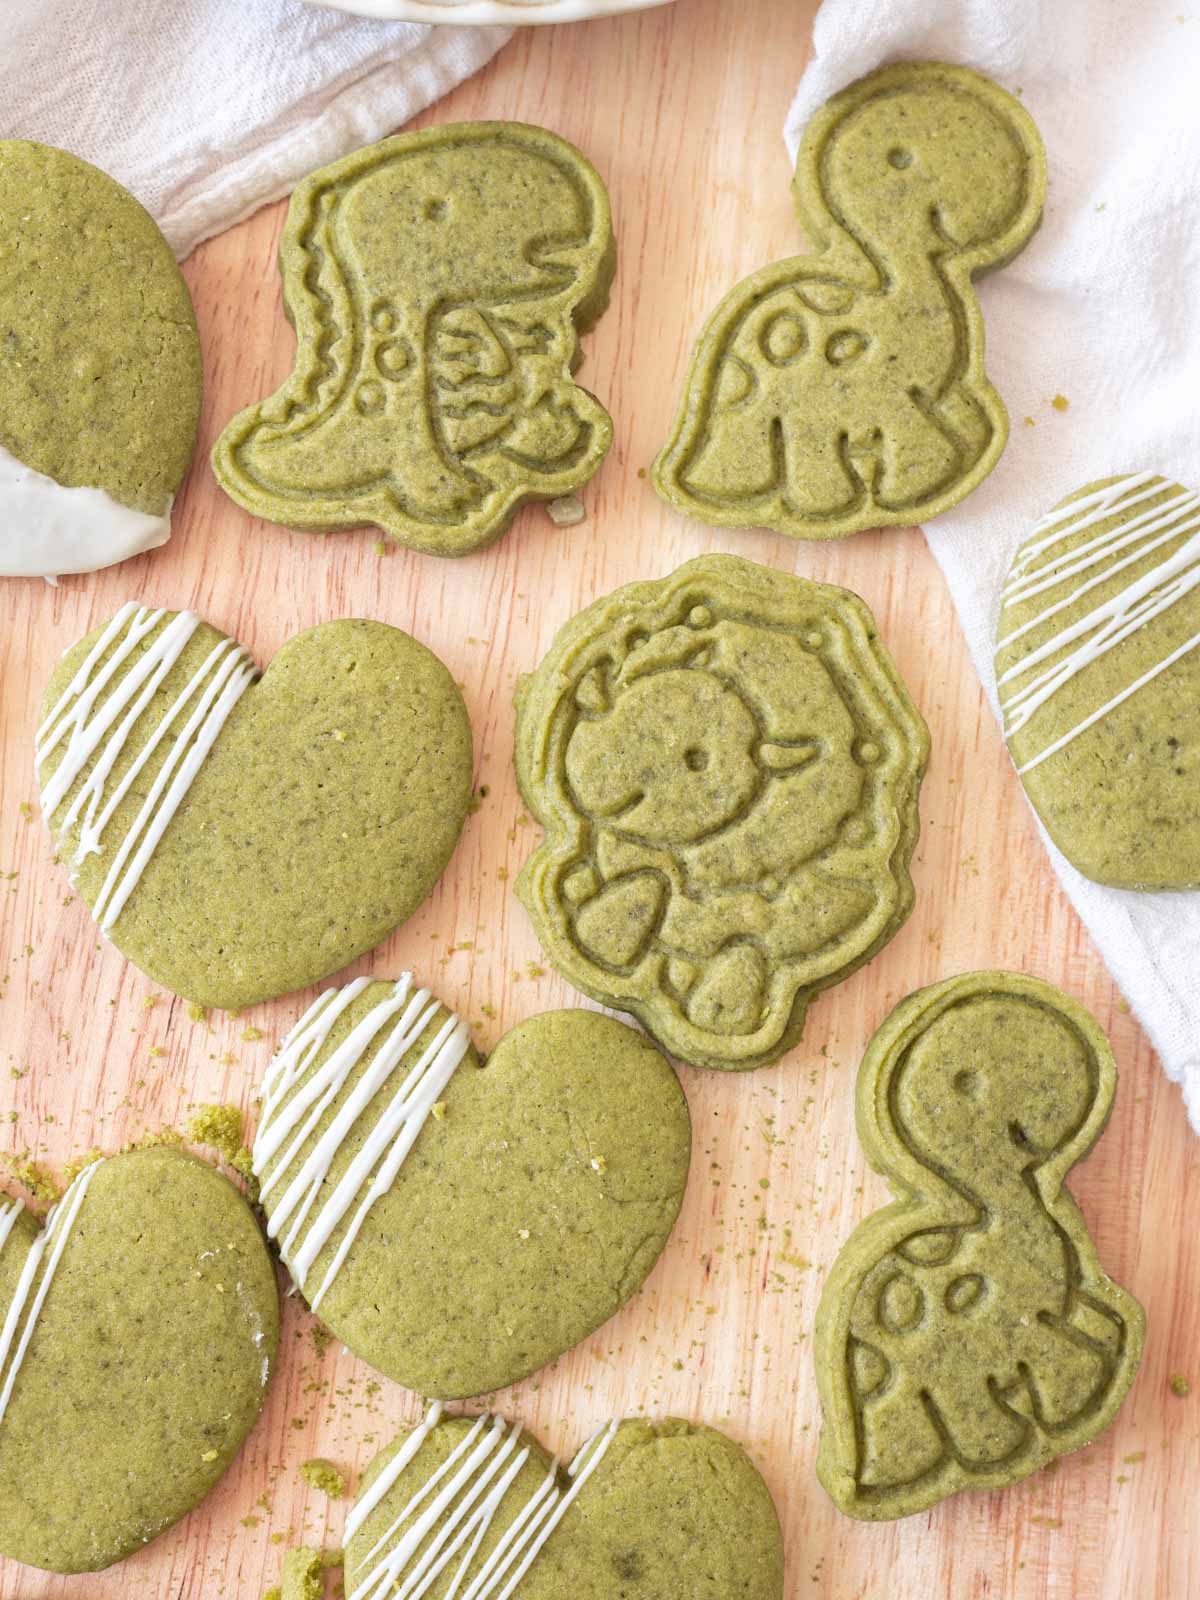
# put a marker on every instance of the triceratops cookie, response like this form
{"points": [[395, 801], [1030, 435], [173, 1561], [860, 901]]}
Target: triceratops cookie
{"points": [[727, 766], [967, 1334], [99, 368], [846, 390], [438, 283], [1098, 672], [460, 1225], [239, 837], [474, 1509], [139, 1330]]}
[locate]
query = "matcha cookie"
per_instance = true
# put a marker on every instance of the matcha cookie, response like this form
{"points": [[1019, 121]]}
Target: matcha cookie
{"points": [[99, 368], [238, 838], [846, 389], [476, 1510], [140, 1328], [968, 1334], [437, 284], [456, 1225], [727, 766], [1098, 673]]}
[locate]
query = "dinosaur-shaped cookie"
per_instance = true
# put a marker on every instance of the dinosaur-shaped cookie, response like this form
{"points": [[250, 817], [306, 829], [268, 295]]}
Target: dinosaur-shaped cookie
{"points": [[437, 283], [967, 1334], [846, 390]]}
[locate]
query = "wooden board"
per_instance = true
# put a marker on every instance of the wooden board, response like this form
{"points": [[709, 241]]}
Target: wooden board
{"points": [[681, 109]]}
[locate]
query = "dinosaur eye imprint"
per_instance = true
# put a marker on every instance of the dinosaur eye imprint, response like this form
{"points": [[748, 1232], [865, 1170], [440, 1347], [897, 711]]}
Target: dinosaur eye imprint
{"points": [[783, 339], [899, 158], [967, 1083], [695, 759], [435, 210]]}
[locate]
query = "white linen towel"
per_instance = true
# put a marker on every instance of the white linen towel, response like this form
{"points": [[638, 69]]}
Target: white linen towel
{"points": [[207, 109], [1104, 307]]}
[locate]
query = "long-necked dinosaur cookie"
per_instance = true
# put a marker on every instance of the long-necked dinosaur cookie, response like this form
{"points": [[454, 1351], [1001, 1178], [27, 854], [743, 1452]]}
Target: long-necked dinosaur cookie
{"points": [[475, 1509], [139, 1330], [457, 1225], [438, 283], [846, 389], [238, 838], [968, 1334], [1098, 672], [727, 766], [99, 368]]}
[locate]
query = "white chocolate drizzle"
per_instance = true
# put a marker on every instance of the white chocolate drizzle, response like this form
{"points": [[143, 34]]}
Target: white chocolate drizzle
{"points": [[26, 1305], [292, 1112], [1047, 566], [48, 530], [471, 1485], [95, 717]]}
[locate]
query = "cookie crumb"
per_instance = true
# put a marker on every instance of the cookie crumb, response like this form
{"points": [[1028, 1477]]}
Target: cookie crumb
{"points": [[599, 1164], [1179, 1386], [567, 512], [208, 1455], [322, 1475], [439, 1110], [1060, 402]]}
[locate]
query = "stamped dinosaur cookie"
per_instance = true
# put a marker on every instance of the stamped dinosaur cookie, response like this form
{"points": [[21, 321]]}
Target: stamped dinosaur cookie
{"points": [[139, 1329], [846, 390], [968, 1334], [460, 1225], [99, 368], [438, 283], [1098, 673], [475, 1509], [239, 837], [727, 766]]}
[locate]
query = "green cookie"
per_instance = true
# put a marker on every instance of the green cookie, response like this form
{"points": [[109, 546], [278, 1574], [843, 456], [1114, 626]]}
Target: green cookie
{"points": [[459, 1226], [727, 766], [438, 283], [967, 1334], [240, 839], [140, 1329], [478, 1511], [100, 374], [846, 389], [1098, 672]]}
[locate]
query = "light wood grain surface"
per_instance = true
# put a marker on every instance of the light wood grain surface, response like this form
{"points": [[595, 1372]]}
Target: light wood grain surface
{"points": [[681, 110]]}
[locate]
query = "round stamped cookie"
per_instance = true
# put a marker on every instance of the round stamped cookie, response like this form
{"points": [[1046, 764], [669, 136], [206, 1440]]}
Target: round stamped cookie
{"points": [[727, 767], [239, 837], [475, 1509], [139, 1330], [100, 377], [460, 1225], [1098, 675]]}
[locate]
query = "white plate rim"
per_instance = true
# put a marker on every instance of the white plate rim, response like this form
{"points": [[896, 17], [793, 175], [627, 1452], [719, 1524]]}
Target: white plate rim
{"points": [[483, 13]]}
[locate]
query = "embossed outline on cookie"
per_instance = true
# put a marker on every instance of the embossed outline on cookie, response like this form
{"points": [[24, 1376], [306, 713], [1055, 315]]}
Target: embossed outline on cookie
{"points": [[323, 298], [648, 608], [842, 262], [912, 1180]]}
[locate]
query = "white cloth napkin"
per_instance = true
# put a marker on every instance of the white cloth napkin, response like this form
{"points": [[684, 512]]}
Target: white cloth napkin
{"points": [[1102, 307], [206, 109]]}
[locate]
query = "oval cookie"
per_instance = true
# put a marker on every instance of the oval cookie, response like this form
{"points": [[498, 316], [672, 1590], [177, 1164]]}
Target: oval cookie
{"points": [[460, 1225], [1098, 674], [478, 1510], [846, 389], [727, 766], [140, 1327], [968, 1334], [239, 837], [100, 379], [438, 283]]}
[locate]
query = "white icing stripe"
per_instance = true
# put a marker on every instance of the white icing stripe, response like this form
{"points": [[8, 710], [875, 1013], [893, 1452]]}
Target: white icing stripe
{"points": [[468, 1499], [295, 1109], [95, 702], [52, 1240], [8, 1219], [47, 530], [1045, 567]]}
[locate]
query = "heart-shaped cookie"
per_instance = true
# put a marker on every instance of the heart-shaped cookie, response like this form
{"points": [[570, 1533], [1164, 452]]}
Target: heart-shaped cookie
{"points": [[139, 1331], [240, 839], [459, 1226], [462, 1509]]}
